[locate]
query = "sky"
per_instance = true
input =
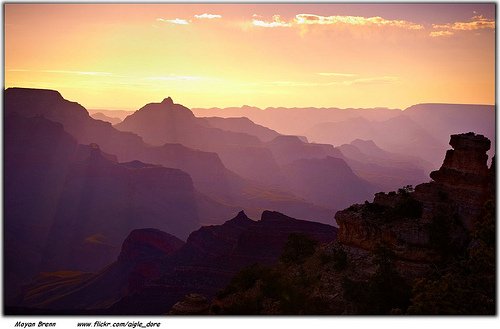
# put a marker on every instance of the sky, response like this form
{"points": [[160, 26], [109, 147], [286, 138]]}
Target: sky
{"points": [[123, 56]]}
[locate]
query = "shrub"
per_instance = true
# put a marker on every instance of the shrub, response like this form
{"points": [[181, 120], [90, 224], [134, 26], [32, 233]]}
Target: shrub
{"points": [[298, 248], [408, 208], [339, 258], [244, 280]]}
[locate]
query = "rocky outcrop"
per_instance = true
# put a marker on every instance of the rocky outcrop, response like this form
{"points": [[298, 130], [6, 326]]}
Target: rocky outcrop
{"points": [[193, 304], [404, 220], [465, 165], [462, 181]]}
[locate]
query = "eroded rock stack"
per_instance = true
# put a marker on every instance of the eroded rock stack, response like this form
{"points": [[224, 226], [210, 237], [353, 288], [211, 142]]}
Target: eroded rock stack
{"points": [[463, 179]]}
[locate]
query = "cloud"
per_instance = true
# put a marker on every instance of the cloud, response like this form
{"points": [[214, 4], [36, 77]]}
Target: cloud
{"points": [[102, 74], [336, 74], [174, 77], [476, 23], [209, 16], [176, 21], [363, 81], [310, 19], [440, 33], [275, 23], [366, 81]]}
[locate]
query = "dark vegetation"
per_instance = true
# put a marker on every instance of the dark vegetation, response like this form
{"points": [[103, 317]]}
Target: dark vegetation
{"points": [[462, 285], [406, 207]]}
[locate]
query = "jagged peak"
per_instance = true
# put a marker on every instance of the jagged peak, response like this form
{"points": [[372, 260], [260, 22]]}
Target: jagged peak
{"points": [[166, 106], [240, 218], [168, 101]]}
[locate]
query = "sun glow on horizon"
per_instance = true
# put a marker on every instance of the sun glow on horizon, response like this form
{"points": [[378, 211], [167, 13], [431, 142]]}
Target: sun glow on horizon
{"points": [[122, 56]]}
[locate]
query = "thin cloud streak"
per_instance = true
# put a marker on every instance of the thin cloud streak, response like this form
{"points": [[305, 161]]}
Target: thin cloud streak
{"points": [[328, 74], [104, 74], [208, 16], [380, 80], [440, 34], [275, 23], [179, 77], [476, 23], [107, 74], [178, 21], [364, 81]]}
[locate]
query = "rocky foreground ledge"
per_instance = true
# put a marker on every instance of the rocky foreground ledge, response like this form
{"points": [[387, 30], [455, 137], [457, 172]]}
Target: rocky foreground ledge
{"points": [[402, 220]]}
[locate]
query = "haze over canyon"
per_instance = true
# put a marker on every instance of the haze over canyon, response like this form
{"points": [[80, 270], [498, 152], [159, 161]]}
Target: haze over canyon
{"points": [[96, 211]]}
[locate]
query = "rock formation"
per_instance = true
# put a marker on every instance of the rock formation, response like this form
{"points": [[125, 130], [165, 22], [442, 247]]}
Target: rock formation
{"points": [[458, 193], [166, 122], [193, 304], [422, 251], [102, 201], [226, 191], [463, 178]]}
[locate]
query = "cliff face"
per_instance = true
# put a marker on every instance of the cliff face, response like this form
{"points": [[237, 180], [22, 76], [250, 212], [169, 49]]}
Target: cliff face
{"points": [[456, 196], [102, 201]]}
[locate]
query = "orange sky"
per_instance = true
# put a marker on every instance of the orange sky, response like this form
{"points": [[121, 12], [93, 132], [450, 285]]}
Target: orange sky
{"points": [[203, 55]]}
